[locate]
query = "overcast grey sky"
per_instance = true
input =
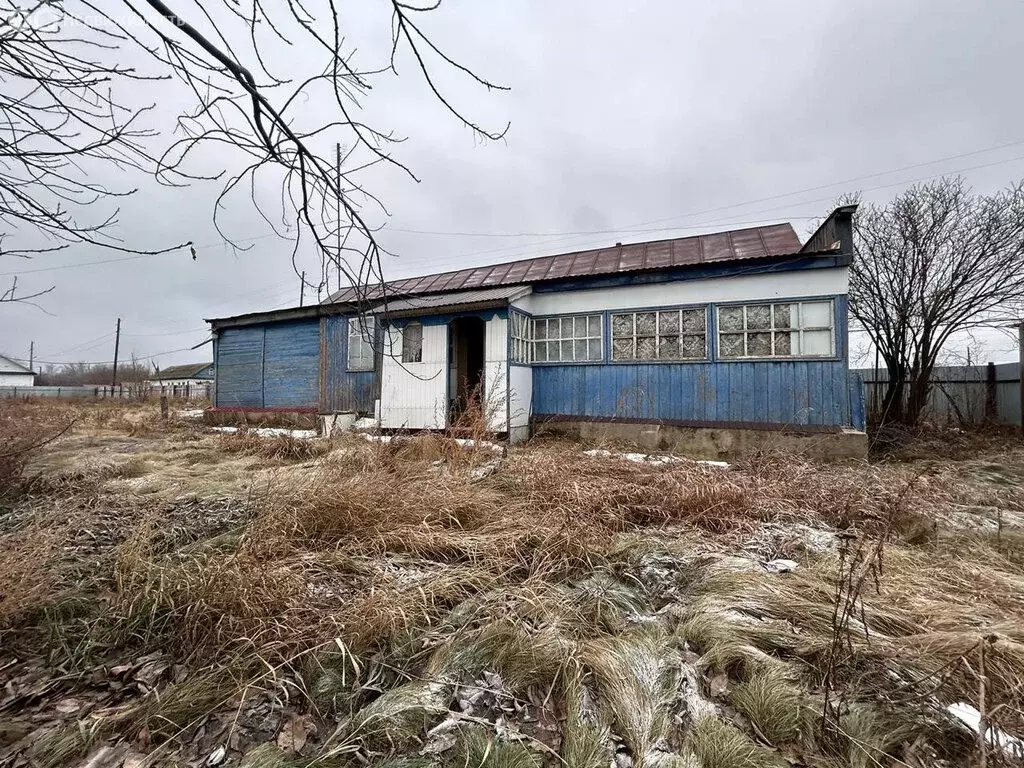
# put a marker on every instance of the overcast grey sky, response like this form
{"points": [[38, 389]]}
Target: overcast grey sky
{"points": [[624, 117]]}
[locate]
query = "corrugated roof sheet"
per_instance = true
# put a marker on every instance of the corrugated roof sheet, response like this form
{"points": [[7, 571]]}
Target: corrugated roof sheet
{"points": [[734, 245], [434, 302]]}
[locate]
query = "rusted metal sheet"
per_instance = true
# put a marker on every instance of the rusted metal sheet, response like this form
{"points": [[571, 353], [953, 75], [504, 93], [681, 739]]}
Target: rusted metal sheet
{"points": [[737, 245]]}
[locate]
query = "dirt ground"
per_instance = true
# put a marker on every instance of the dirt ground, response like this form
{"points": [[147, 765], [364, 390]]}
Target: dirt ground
{"points": [[171, 595]]}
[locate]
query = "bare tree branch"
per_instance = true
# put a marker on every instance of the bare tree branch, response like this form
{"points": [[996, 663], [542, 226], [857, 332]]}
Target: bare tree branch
{"points": [[935, 261], [65, 111]]}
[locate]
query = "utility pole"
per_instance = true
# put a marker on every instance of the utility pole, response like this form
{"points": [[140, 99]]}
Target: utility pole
{"points": [[302, 287], [31, 353], [117, 345]]}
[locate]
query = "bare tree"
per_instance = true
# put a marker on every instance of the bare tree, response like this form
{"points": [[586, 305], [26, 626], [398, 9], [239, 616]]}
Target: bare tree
{"points": [[66, 110], [935, 261]]}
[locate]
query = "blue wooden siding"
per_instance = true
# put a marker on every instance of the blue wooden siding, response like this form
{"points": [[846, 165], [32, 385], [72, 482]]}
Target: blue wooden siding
{"points": [[291, 366], [240, 368], [344, 391], [269, 366], [776, 392]]}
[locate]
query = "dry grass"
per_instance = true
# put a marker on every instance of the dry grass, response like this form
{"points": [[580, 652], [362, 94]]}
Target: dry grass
{"points": [[609, 599]]}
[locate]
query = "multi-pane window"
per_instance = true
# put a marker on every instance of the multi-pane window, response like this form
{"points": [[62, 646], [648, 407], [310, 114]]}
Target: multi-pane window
{"points": [[786, 329], [522, 337], [674, 334], [412, 343], [360, 343], [568, 339]]}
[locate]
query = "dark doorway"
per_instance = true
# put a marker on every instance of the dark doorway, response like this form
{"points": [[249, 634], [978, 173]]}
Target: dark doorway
{"points": [[466, 363]]}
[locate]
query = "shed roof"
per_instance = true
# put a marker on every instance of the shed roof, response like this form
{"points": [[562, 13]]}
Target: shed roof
{"points": [[480, 298], [733, 245], [186, 371], [10, 365]]}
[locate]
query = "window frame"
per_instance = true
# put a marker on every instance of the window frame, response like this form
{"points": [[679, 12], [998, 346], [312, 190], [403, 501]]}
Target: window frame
{"points": [[405, 342], [611, 313], [601, 316], [833, 328], [364, 328], [519, 344]]}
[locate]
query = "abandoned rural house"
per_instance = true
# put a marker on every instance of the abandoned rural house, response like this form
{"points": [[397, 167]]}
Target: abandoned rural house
{"points": [[715, 342]]}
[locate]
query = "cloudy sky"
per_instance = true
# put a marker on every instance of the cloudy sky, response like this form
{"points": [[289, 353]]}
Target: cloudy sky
{"points": [[629, 122]]}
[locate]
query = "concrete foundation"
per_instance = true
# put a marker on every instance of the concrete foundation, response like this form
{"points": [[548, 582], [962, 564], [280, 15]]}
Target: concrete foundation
{"points": [[723, 443], [240, 417], [340, 422]]}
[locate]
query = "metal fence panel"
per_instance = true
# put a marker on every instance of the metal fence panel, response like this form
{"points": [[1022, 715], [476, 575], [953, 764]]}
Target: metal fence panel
{"points": [[960, 394]]}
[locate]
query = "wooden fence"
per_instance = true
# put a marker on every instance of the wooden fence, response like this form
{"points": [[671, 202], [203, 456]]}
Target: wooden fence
{"points": [[961, 394]]}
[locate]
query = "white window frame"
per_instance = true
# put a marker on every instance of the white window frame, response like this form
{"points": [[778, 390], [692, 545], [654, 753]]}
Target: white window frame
{"points": [[361, 336], [521, 333], [406, 349], [795, 330], [573, 338], [678, 335]]}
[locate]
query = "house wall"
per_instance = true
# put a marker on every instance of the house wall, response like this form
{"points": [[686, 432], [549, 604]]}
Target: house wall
{"points": [[520, 401], [771, 391], [496, 373], [269, 366], [760, 287], [415, 395], [17, 379], [342, 390]]}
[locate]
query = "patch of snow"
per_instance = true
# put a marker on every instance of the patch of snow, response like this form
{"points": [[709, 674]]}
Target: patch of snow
{"points": [[650, 458], [781, 566], [470, 444], [190, 413], [302, 434], [996, 737], [366, 423]]}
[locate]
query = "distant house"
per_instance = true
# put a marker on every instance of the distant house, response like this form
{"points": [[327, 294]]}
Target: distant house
{"points": [[713, 343], [177, 379], [14, 374]]}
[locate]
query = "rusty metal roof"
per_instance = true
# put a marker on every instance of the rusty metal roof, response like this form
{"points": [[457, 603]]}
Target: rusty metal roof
{"points": [[427, 304], [734, 245]]}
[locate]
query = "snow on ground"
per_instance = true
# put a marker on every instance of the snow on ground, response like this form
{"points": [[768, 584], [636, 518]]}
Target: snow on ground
{"points": [[971, 717], [650, 458], [302, 434]]}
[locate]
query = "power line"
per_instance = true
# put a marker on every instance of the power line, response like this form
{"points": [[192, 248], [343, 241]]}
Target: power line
{"points": [[628, 229]]}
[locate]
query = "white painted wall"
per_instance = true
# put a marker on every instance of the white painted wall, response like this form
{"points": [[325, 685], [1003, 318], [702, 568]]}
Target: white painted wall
{"points": [[415, 395], [496, 373], [781, 285], [17, 379], [520, 397]]}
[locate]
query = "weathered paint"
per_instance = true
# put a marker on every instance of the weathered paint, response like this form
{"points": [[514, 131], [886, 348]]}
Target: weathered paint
{"points": [[496, 373], [760, 287], [343, 391], [776, 392], [240, 368], [291, 365], [415, 395], [268, 366], [520, 396]]}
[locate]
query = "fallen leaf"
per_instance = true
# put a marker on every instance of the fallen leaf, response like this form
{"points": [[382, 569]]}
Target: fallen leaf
{"points": [[292, 737]]}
